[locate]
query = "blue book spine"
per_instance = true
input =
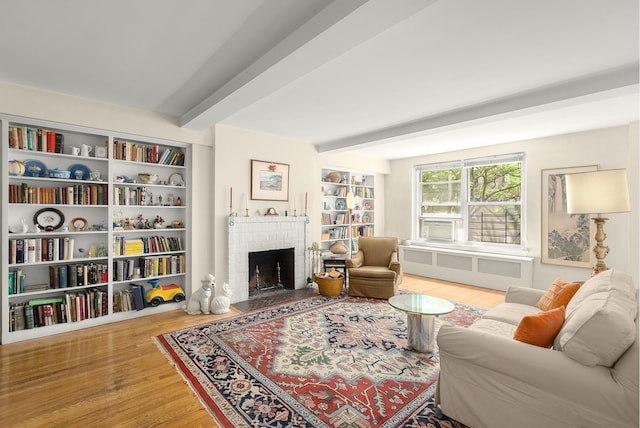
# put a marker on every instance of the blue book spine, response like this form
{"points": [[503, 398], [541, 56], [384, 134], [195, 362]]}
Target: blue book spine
{"points": [[63, 276]]}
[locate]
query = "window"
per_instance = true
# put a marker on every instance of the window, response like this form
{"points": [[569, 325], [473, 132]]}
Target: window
{"points": [[474, 200]]}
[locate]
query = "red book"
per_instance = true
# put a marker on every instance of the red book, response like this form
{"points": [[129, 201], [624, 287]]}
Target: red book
{"points": [[51, 142]]}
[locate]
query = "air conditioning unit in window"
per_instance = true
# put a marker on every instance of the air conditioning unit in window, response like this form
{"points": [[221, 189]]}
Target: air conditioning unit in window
{"points": [[443, 230]]}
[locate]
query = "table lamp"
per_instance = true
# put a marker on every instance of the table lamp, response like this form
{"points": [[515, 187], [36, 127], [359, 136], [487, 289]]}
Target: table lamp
{"points": [[599, 192]]}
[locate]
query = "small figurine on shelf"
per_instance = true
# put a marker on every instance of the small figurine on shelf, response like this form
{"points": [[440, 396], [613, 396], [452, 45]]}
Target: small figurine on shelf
{"points": [[176, 224], [93, 251], [102, 251], [157, 222], [139, 223], [20, 228]]}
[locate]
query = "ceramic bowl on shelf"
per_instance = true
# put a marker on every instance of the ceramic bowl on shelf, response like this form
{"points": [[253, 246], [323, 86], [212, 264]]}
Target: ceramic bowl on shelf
{"points": [[59, 173], [147, 178]]}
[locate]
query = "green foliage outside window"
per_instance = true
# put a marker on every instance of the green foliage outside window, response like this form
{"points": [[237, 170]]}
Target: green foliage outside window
{"points": [[492, 200]]}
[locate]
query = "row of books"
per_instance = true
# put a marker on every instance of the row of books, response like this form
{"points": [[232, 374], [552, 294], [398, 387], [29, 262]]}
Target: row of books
{"points": [[72, 307], [39, 140], [78, 274], [131, 299], [130, 196], [78, 194], [145, 245], [340, 218], [338, 233], [126, 150], [362, 230], [150, 266], [35, 250], [363, 192]]}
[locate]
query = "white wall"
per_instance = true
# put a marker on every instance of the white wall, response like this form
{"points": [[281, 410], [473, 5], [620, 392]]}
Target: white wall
{"points": [[37, 104], [610, 148], [234, 150]]}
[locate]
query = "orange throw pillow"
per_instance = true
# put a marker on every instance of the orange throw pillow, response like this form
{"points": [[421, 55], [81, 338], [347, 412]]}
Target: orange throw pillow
{"points": [[557, 295], [540, 329]]}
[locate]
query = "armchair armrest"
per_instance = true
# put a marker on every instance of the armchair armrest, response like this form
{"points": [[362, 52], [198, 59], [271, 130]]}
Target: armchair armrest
{"points": [[523, 295], [356, 261], [394, 264]]}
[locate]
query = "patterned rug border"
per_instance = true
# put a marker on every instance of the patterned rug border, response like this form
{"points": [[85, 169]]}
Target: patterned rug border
{"points": [[196, 388], [259, 315]]}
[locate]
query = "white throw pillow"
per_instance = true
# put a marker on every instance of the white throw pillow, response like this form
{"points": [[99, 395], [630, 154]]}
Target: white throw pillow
{"points": [[599, 325]]}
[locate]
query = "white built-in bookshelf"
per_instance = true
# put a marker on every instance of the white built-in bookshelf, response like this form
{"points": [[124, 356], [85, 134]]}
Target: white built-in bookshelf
{"points": [[337, 223], [84, 236]]}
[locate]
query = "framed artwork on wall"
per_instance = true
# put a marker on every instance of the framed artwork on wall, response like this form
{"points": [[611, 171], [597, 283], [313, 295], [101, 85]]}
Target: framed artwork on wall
{"points": [[567, 239], [269, 181]]}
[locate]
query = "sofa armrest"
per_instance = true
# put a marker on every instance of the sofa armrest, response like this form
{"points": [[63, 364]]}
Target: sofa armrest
{"points": [[540, 368], [356, 261], [523, 295]]}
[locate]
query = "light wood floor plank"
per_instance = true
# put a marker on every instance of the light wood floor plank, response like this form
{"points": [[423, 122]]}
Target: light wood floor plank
{"points": [[114, 375]]}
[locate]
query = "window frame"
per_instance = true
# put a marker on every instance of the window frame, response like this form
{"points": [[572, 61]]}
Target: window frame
{"points": [[461, 236]]}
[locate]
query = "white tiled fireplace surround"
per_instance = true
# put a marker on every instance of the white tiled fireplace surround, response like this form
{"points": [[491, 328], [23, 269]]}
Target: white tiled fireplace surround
{"points": [[248, 234]]}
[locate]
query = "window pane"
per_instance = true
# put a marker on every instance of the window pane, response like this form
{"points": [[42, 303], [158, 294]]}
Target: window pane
{"points": [[495, 183], [441, 193], [441, 175], [499, 224], [441, 210]]}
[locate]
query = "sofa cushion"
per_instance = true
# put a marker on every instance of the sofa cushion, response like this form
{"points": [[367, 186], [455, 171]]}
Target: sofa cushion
{"points": [[494, 327], [626, 371], [599, 324], [559, 294], [540, 329], [510, 313], [603, 282]]}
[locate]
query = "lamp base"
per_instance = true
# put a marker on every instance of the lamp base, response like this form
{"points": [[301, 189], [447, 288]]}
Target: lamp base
{"points": [[599, 249]]}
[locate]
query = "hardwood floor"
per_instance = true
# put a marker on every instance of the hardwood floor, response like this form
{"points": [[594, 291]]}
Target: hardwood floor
{"points": [[114, 375]]}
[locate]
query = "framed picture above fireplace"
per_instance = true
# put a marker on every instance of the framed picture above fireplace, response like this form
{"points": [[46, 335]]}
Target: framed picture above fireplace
{"points": [[269, 181]]}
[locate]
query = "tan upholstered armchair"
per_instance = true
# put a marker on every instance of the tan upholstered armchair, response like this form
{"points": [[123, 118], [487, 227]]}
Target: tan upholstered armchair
{"points": [[375, 270]]}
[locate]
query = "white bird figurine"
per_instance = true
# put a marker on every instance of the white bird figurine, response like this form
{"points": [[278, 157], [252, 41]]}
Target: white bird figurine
{"points": [[20, 228]]}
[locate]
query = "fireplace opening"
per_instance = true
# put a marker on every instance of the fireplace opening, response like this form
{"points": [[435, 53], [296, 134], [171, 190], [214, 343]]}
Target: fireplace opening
{"points": [[271, 270]]}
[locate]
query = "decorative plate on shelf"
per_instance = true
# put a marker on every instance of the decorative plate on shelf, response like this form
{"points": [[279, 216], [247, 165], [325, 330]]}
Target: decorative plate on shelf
{"points": [[176, 179], [341, 204], [79, 172], [79, 223], [48, 219], [34, 168]]}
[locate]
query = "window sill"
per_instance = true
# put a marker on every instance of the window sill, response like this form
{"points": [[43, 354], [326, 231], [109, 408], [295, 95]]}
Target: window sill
{"points": [[471, 248]]}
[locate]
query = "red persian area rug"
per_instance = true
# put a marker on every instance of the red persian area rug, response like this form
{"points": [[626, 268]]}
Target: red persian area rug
{"points": [[317, 362]]}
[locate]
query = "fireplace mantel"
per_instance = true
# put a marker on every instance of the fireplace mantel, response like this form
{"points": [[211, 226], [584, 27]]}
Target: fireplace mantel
{"points": [[248, 234]]}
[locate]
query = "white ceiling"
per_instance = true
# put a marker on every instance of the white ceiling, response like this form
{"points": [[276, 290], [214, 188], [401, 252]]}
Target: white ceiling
{"points": [[388, 79]]}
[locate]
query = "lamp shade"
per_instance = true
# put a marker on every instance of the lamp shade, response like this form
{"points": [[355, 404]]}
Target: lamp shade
{"points": [[350, 200], [598, 192]]}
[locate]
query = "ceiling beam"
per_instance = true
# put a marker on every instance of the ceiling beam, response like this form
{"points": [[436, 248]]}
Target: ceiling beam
{"points": [[335, 30], [622, 81]]}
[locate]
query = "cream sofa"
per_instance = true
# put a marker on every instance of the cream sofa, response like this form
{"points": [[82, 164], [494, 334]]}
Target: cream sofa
{"points": [[588, 379]]}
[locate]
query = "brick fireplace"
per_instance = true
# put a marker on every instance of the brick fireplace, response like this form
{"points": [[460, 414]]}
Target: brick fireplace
{"points": [[256, 234]]}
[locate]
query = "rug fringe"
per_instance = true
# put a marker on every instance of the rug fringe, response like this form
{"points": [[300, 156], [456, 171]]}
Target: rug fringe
{"points": [[171, 361]]}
